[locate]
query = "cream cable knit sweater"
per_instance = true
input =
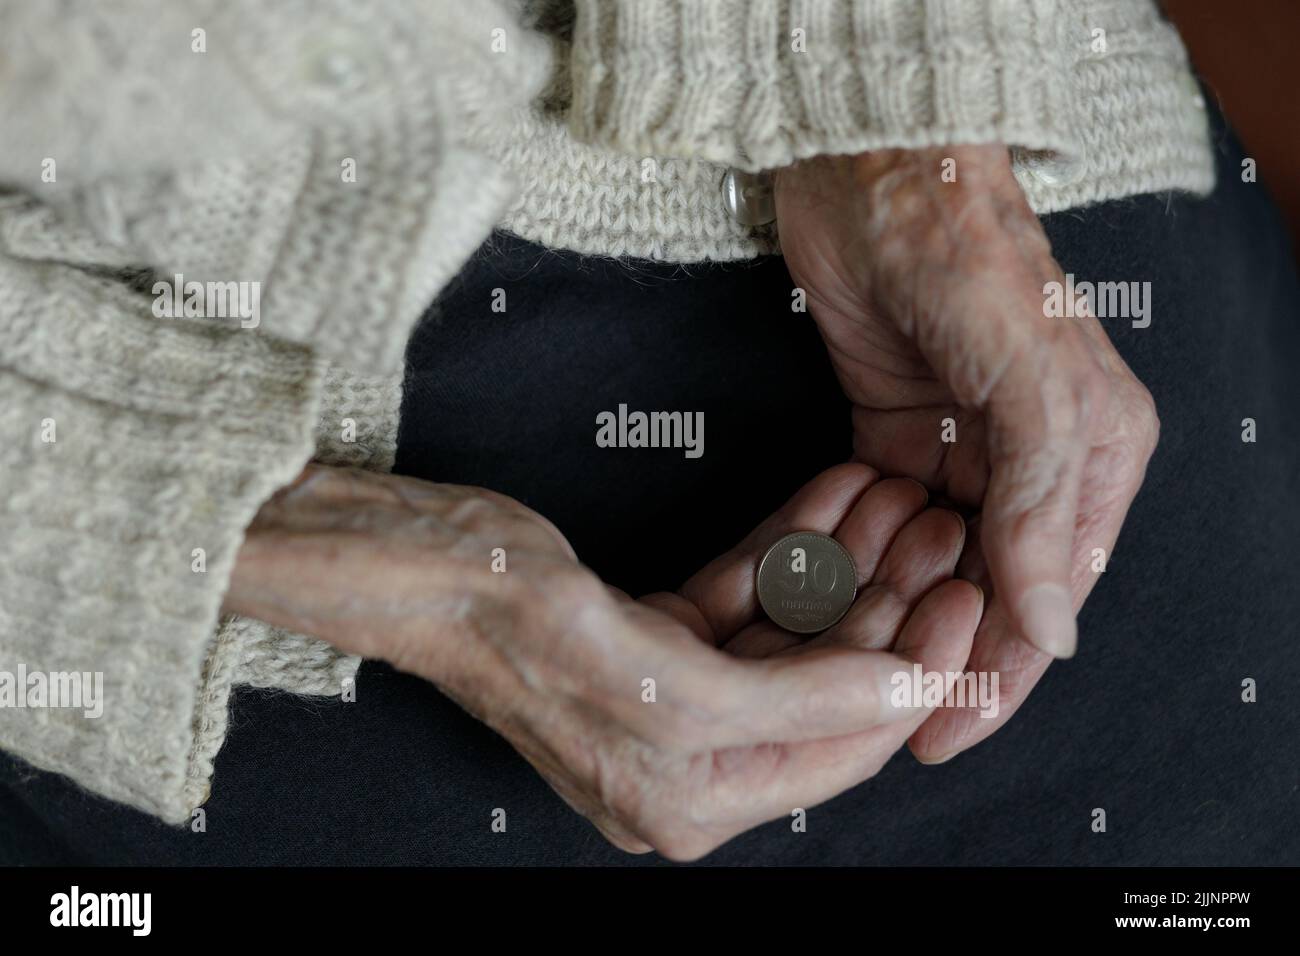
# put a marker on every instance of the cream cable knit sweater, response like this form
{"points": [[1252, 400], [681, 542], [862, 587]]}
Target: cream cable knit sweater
{"points": [[540, 116]]}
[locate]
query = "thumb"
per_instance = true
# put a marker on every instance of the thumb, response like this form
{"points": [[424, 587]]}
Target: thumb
{"points": [[1039, 437]]}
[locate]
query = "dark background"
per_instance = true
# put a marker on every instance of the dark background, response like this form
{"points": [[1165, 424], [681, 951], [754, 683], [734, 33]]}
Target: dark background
{"points": [[1246, 53]]}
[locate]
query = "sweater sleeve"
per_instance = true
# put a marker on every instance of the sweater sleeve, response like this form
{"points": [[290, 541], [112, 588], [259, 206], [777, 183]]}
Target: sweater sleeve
{"points": [[311, 150], [1100, 88], [134, 451], [316, 148]]}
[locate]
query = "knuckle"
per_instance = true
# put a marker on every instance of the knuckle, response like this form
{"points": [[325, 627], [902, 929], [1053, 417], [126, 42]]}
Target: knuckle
{"points": [[1148, 417], [618, 785], [629, 785], [537, 531], [682, 843], [572, 590], [565, 605], [660, 801]]}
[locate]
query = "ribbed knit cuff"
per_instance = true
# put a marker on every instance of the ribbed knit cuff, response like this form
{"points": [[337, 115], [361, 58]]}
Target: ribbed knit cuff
{"points": [[356, 428], [762, 83], [133, 454]]}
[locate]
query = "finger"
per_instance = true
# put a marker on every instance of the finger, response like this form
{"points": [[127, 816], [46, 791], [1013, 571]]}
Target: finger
{"points": [[1039, 416], [825, 692], [1102, 508], [870, 529], [866, 533], [723, 590], [777, 779], [924, 554], [909, 441], [708, 699], [999, 650]]}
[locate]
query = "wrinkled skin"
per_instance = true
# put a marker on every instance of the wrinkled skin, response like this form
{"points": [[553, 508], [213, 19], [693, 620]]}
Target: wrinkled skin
{"points": [[748, 722], [929, 296]]}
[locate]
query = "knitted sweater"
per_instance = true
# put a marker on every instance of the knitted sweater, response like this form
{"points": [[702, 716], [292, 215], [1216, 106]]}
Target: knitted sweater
{"points": [[340, 160]]}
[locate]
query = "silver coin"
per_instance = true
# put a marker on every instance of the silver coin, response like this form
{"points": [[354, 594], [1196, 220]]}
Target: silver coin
{"points": [[806, 582]]}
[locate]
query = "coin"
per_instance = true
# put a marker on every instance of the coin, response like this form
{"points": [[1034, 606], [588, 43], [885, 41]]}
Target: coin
{"points": [[806, 582]]}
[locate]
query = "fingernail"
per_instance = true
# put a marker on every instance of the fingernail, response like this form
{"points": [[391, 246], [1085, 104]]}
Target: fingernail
{"points": [[1048, 620], [935, 761]]}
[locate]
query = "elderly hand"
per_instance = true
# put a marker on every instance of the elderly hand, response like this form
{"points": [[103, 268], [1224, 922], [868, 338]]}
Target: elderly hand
{"points": [[930, 298], [745, 723]]}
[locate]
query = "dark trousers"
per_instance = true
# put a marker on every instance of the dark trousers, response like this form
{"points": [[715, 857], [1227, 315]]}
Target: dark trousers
{"points": [[1148, 721]]}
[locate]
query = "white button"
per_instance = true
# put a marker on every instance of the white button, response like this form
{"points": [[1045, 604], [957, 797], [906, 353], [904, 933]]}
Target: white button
{"points": [[1050, 167], [748, 197]]}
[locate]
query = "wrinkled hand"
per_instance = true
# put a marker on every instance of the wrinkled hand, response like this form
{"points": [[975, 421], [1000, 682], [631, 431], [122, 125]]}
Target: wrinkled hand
{"points": [[930, 298], [747, 722]]}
